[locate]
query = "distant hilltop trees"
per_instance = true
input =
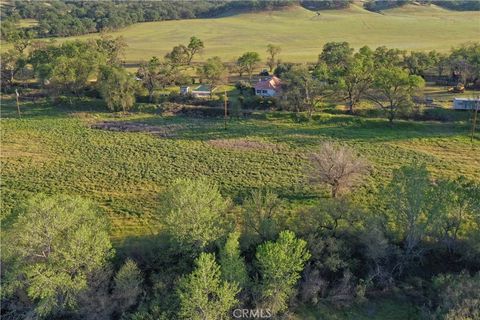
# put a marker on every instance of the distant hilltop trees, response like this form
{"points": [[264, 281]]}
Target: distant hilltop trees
{"points": [[460, 5], [71, 18]]}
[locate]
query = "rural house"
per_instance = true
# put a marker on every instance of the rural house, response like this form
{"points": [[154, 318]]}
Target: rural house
{"points": [[466, 103], [268, 87]]}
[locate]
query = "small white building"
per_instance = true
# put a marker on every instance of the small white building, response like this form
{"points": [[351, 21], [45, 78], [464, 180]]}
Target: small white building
{"points": [[466, 103], [201, 91], [268, 87]]}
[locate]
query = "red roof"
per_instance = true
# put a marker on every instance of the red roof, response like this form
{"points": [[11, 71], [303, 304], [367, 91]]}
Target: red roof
{"points": [[272, 83]]}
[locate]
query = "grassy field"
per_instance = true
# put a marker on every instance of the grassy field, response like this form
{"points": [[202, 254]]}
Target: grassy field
{"points": [[301, 33], [54, 150]]}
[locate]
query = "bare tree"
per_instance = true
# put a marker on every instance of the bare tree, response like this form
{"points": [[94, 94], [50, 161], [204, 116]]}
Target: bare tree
{"points": [[338, 167]]}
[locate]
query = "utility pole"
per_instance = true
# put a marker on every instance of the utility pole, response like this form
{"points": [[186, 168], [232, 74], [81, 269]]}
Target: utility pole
{"points": [[225, 100], [474, 120], [18, 104]]}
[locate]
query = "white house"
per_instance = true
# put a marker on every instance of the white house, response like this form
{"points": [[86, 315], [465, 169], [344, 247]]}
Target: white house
{"points": [[466, 103], [268, 87]]}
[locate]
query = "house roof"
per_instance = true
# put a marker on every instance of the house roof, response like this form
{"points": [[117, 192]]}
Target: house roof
{"points": [[272, 83]]}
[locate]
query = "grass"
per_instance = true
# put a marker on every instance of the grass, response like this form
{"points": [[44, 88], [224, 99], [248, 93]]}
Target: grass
{"points": [[302, 34], [52, 149]]}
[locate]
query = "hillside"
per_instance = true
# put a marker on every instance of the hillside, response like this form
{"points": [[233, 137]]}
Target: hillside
{"points": [[302, 33]]}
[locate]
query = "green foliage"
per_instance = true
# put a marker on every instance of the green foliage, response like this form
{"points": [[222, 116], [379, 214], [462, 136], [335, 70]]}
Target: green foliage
{"points": [[54, 245], [178, 56], [302, 90], [232, 263], [112, 48], [67, 67], [357, 78], [194, 47], [280, 264], [393, 88], [213, 72], [336, 55], [248, 62], [409, 199], [456, 296], [128, 285], [418, 62], [263, 218], [457, 204], [12, 63], [202, 293], [117, 87], [465, 62], [273, 51], [194, 213]]}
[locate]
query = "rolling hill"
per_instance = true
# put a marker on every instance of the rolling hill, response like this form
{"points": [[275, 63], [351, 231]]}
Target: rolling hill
{"points": [[301, 33]]}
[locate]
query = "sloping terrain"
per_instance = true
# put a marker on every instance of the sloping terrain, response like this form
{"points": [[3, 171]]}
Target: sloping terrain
{"points": [[301, 33]]}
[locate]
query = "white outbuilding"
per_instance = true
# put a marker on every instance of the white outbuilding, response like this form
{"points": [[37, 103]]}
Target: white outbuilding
{"points": [[466, 103]]}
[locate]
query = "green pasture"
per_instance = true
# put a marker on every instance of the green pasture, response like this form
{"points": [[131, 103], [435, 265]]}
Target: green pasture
{"points": [[52, 149], [301, 33]]}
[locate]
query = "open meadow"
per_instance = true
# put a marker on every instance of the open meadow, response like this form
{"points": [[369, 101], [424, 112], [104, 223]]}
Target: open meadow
{"points": [[52, 149], [302, 33]]}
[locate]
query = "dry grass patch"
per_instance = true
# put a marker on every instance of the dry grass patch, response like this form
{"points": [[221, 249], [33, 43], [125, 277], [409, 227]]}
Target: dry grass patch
{"points": [[165, 131], [244, 144]]}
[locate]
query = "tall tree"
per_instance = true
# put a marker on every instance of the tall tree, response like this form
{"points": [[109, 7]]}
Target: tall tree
{"points": [[203, 295], [249, 61], [194, 213], [419, 62], [112, 48], [273, 52], [54, 246], [465, 63], [194, 46], [409, 200], [393, 88], [262, 217], [67, 67], [280, 264], [12, 63], [179, 55], [149, 74], [357, 78], [128, 285], [456, 205], [214, 72], [232, 263], [302, 90], [117, 87], [336, 56], [385, 57]]}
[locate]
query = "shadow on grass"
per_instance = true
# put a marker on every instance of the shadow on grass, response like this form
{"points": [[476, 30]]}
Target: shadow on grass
{"points": [[43, 108], [280, 127]]}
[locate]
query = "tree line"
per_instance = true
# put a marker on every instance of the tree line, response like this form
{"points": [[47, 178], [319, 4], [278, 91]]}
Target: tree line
{"points": [[213, 255], [389, 78], [61, 18], [460, 5]]}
